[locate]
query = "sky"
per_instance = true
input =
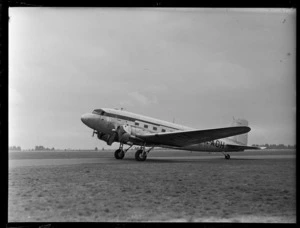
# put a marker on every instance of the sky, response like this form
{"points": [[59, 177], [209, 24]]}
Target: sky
{"points": [[199, 67]]}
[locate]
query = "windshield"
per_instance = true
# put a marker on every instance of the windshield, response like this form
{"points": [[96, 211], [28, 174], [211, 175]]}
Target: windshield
{"points": [[99, 112]]}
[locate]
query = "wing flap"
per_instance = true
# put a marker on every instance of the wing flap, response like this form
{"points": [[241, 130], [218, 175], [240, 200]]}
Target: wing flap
{"points": [[185, 138]]}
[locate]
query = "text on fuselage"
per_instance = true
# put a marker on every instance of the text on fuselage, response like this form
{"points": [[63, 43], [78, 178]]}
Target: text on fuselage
{"points": [[216, 143]]}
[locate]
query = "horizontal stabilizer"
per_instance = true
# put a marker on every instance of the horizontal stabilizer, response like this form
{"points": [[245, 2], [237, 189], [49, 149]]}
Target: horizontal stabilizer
{"points": [[242, 147], [185, 138]]}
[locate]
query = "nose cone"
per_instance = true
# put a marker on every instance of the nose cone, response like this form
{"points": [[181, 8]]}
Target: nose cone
{"points": [[84, 118], [89, 120]]}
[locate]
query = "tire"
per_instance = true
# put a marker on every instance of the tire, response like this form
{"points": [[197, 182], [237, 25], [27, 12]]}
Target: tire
{"points": [[139, 156], [119, 154], [227, 156]]}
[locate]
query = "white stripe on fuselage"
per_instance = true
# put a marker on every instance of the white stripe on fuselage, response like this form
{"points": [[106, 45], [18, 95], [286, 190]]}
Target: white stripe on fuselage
{"points": [[147, 119]]}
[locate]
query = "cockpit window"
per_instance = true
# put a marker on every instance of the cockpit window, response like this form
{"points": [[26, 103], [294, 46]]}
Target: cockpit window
{"points": [[99, 112]]}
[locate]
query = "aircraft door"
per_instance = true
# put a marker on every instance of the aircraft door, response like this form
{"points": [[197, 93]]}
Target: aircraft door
{"points": [[133, 129], [138, 128]]}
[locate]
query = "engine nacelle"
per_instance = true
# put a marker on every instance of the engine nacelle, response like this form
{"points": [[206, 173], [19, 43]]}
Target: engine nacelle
{"points": [[124, 138], [102, 136], [124, 133]]}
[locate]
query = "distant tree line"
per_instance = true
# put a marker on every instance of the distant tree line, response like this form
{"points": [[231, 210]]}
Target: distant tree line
{"points": [[276, 146], [43, 148], [15, 148]]}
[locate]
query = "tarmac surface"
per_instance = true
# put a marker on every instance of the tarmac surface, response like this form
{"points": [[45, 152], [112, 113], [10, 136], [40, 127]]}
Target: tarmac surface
{"points": [[176, 186], [69, 158]]}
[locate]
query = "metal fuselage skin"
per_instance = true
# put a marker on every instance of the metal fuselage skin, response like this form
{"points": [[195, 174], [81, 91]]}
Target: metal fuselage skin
{"points": [[106, 120]]}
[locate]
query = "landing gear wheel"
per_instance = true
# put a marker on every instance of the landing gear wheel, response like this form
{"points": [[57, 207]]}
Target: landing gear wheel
{"points": [[227, 156], [139, 156], [119, 154]]}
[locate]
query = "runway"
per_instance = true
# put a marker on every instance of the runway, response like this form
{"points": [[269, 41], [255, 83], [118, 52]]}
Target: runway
{"points": [[108, 157], [73, 161], [171, 186]]}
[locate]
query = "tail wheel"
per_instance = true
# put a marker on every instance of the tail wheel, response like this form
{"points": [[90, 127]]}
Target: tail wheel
{"points": [[227, 156], [140, 156], [119, 154]]}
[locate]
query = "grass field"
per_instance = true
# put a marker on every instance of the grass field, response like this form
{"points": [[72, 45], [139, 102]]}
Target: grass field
{"points": [[206, 190]]}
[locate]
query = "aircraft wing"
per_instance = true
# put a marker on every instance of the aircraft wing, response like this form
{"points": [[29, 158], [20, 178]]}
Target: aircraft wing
{"points": [[184, 138]]}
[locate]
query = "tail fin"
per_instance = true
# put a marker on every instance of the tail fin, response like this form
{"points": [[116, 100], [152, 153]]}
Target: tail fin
{"points": [[240, 139]]}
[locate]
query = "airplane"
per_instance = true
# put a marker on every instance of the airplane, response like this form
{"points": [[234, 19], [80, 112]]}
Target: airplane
{"points": [[115, 125]]}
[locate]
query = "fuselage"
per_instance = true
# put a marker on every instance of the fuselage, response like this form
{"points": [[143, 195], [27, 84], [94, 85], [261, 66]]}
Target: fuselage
{"points": [[106, 120]]}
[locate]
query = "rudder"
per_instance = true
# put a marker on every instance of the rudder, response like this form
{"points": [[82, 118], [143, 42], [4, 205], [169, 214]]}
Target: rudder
{"points": [[243, 138]]}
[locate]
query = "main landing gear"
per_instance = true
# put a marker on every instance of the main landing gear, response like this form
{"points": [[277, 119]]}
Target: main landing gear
{"points": [[120, 153], [227, 156], [141, 154]]}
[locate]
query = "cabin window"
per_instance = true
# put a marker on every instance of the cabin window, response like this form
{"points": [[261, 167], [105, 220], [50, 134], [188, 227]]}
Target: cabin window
{"points": [[155, 128], [136, 124], [163, 130], [145, 126]]}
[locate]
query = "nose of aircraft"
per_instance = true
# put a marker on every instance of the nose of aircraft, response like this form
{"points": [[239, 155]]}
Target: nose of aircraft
{"points": [[84, 117], [88, 119]]}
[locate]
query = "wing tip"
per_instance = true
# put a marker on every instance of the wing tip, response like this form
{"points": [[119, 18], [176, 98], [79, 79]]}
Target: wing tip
{"points": [[245, 129]]}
